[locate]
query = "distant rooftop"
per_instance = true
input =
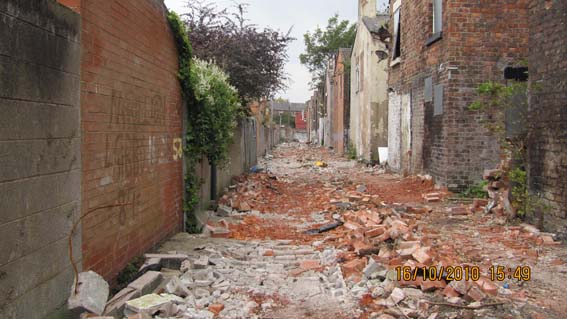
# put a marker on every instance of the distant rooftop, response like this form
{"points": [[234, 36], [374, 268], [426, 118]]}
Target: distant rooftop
{"points": [[287, 106]]}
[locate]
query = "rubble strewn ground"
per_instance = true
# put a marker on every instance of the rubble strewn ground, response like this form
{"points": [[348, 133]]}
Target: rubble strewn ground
{"points": [[299, 240]]}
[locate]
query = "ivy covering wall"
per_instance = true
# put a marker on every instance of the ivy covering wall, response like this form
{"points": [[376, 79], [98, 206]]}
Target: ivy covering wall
{"points": [[212, 114]]}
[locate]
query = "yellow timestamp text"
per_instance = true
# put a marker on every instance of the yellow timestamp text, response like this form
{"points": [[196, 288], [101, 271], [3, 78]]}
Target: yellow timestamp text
{"points": [[460, 273]]}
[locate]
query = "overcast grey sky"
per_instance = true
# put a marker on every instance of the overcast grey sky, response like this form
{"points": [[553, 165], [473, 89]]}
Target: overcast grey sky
{"points": [[303, 15]]}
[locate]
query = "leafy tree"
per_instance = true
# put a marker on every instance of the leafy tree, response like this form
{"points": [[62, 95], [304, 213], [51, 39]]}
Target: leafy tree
{"points": [[322, 44], [253, 58]]}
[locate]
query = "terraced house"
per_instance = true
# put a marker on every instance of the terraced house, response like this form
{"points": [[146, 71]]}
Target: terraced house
{"points": [[440, 52]]}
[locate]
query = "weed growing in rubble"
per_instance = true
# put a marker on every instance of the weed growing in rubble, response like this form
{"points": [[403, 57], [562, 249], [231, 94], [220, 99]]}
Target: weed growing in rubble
{"points": [[505, 105], [476, 191], [351, 151], [128, 274]]}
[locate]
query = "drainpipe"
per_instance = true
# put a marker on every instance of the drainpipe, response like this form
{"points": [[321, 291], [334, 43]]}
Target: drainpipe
{"points": [[213, 181]]}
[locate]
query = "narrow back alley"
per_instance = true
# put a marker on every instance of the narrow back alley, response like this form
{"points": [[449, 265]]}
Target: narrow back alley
{"points": [[253, 159], [313, 235]]}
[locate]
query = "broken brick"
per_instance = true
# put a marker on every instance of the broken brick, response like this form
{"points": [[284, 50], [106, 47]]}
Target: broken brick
{"points": [[547, 240], [352, 226], [355, 266], [450, 292], [419, 210], [480, 203], [407, 252], [458, 211], [363, 249], [475, 293], [487, 286], [310, 264], [409, 244], [432, 197], [244, 207], [216, 308], [375, 231], [430, 285], [422, 255]]}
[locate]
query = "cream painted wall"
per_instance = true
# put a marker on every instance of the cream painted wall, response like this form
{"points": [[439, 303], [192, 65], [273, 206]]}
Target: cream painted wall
{"points": [[369, 105]]}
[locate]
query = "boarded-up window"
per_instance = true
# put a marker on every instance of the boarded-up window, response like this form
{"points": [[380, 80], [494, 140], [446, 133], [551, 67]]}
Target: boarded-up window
{"points": [[428, 90], [437, 16], [438, 99]]}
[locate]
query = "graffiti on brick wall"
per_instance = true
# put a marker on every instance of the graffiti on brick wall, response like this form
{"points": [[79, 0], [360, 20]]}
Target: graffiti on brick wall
{"points": [[137, 109], [134, 199], [131, 154], [177, 149]]}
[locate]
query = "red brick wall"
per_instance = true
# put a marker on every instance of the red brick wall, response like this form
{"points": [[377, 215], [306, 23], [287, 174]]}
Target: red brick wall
{"points": [[479, 40], [131, 125], [300, 121], [547, 146]]}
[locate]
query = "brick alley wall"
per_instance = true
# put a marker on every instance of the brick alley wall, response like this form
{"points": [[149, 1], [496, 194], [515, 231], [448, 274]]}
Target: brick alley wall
{"points": [[40, 160], [132, 126], [547, 146], [478, 42]]}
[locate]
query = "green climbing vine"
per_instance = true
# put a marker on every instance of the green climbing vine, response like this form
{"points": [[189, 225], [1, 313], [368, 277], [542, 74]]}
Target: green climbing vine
{"points": [[212, 111]]}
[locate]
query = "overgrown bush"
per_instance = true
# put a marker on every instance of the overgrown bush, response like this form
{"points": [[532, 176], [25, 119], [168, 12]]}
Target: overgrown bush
{"points": [[214, 112]]}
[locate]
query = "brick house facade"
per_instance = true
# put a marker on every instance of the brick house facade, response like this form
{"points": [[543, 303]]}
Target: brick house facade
{"points": [[340, 117], [547, 115], [440, 51]]}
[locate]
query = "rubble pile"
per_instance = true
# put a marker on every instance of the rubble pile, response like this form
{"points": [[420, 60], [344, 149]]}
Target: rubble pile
{"points": [[498, 192], [232, 279], [301, 239]]}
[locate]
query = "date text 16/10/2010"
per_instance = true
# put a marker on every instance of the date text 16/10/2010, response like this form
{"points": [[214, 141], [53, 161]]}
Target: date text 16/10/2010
{"points": [[466, 273]]}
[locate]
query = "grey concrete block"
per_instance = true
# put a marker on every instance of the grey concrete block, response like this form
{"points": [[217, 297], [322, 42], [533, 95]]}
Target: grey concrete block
{"points": [[47, 15], [26, 81], [148, 282], [41, 301], [22, 198], [26, 42], [115, 306], [91, 294], [38, 157], [30, 120], [171, 261], [27, 235], [176, 287], [23, 275]]}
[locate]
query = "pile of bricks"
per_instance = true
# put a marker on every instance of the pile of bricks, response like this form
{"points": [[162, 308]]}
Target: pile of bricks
{"points": [[498, 191]]}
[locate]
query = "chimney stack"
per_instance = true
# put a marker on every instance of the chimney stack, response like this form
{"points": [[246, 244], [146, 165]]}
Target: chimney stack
{"points": [[366, 8]]}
